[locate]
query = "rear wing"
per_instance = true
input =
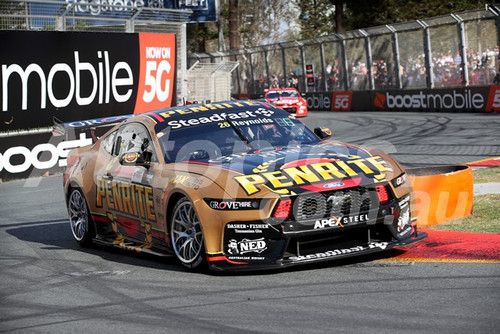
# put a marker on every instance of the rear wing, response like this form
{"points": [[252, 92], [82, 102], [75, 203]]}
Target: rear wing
{"points": [[61, 128]]}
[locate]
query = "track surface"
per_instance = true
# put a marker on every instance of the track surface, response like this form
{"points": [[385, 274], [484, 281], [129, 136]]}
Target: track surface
{"points": [[50, 285], [418, 139]]}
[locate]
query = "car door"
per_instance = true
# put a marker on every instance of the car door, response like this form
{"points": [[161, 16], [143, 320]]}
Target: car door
{"points": [[132, 209]]}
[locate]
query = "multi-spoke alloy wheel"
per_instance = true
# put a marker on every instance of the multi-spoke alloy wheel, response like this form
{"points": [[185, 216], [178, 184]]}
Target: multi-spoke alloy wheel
{"points": [[79, 218], [186, 234]]}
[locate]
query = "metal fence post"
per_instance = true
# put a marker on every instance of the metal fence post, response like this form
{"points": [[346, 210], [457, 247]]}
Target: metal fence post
{"points": [[498, 26], [252, 78], [238, 76], [369, 59], [283, 60], [429, 65], [397, 59], [496, 11], [182, 61], [268, 75], [462, 50], [130, 24], [303, 60], [345, 64], [61, 19], [323, 66]]}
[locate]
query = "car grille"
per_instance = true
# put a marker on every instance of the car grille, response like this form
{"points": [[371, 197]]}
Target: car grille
{"points": [[290, 110], [333, 203]]}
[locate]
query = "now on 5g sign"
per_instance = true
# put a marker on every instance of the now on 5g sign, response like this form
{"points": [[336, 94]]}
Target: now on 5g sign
{"points": [[76, 76]]}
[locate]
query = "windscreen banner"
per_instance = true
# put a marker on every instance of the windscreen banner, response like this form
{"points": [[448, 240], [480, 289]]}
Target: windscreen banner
{"points": [[469, 99], [78, 75]]}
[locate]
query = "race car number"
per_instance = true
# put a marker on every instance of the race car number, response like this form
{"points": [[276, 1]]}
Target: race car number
{"points": [[224, 125]]}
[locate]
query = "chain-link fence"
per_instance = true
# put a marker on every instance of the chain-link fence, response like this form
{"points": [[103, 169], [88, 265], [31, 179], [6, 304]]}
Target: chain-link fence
{"points": [[428, 53], [209, 82]]}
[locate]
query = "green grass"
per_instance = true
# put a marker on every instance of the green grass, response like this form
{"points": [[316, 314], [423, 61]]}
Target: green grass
{"points": [[485, 216], [485, 175]]}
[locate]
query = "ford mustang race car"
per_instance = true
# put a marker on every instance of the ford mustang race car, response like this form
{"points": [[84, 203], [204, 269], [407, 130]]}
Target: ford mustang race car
{"points": [[288, 99], [234, 185]]}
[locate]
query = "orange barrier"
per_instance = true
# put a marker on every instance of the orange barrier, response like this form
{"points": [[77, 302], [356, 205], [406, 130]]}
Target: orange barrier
{"points": [[441, 193]]}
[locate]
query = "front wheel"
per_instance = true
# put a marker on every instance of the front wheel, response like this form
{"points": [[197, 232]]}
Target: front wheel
{"points": [[186, 235], [79, 218]]}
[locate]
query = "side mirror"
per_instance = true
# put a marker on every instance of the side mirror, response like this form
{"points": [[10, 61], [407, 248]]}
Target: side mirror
{"points": [[136, 159], [323, 132]]}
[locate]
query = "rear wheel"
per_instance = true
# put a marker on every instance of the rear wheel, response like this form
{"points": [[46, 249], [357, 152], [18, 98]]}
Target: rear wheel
{"points": [[186, 235], [81, 224]]}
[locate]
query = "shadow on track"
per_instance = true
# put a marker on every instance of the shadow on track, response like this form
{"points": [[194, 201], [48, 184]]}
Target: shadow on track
{"points": [[56, 235]]}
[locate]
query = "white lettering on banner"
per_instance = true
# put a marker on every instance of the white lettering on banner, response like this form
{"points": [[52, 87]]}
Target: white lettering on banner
{"points": [[496, 99], [97, 7], [341, 101], [157, 53], [154, 81], [103, 84], [318, 101], [58, 103], [58, 153], [154, 72], [439, 101]]}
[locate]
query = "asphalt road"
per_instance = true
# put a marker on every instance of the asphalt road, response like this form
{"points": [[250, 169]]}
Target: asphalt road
{"points": [[418, 139], [51, 285]]}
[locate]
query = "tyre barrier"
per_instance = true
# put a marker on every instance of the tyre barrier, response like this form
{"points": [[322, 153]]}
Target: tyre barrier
{"points": [[441, 193]]}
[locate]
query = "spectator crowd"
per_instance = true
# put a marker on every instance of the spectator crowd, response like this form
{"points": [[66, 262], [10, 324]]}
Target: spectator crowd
{"points": [[481, 66]]}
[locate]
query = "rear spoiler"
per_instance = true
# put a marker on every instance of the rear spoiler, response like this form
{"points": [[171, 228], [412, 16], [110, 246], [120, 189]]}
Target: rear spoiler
{"points": [[61, 128]]}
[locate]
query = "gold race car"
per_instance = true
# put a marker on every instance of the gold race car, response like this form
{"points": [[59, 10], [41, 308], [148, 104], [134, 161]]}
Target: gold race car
{"points": [[234, 185]]}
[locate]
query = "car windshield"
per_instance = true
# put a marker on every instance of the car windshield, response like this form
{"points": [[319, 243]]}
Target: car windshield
{"points": [[283, 93], [211, 140]]}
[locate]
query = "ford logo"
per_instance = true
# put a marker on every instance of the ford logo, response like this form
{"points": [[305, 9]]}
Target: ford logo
{"points": [[333, 185]]}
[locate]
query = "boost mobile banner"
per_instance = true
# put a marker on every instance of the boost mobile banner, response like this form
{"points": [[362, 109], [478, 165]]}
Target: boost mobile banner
{"points": [[76, 76], [459, 99]]}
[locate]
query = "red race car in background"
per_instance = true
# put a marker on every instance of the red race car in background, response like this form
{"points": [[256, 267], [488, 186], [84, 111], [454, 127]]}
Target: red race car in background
{"points": [[288, 99]]}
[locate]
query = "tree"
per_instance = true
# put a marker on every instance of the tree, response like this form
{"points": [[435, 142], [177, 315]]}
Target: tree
{"points": [[256, 22], [339, 15], [316, 17], [369, 13], [245, 24], [319, 17], [234, 36]]}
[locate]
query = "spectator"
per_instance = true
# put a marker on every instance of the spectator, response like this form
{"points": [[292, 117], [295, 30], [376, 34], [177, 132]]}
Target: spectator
{"points": [[496, 80]]}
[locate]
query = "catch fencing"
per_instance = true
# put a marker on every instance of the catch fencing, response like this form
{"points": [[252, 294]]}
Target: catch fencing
{"points": [[210, 82], [456, 50]]}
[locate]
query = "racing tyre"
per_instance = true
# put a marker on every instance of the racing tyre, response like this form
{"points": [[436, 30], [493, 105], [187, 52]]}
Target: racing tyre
{"points": [[186, 235], [80, 222]]}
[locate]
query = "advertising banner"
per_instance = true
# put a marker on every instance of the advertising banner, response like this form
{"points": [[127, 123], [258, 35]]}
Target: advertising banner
{"points": [[79, 75], [441, 99], [470, 99], [33, 155], [107, 10]]}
